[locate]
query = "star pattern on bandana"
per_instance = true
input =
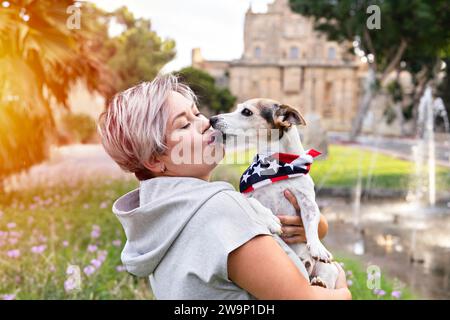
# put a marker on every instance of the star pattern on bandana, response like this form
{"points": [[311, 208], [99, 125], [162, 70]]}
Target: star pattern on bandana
{"points": [[275, 167]]}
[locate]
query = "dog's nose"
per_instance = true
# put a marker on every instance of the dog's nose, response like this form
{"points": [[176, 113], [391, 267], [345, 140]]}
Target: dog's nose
{"points": [[213, 120]]}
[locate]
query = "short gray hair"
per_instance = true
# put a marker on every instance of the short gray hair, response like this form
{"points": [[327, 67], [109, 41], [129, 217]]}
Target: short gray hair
{"points": [[133, 126]]}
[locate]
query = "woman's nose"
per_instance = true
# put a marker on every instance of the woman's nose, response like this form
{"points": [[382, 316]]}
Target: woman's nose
{"points": [[205, 125]]}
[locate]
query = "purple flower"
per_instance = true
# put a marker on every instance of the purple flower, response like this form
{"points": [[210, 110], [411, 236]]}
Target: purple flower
{"points": [[396, 294], [95, 234], [117, 243], [120, 268], [15, 253], [70, 285], [349, 283], [96, 263], [65, 243], [11, 225], [101, 255], [92, 248], [9, 297], [349, 273], [38, 249], [379, 292], [89, 270], [15, 234], [103, 205]]}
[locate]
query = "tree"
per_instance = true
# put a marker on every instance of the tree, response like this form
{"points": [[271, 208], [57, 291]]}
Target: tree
{"points": [[138, 53], [410, 31], [210, 96], [40, 59], [444, 88]]}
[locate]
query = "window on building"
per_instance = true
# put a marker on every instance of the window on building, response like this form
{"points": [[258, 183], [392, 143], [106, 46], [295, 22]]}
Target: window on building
{"points": [[331, 53], [258, 52], [293, 53], [327, 111]]}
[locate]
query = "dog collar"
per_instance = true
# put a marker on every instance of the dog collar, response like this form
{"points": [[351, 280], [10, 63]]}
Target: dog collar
{"points": [[269, 168]]}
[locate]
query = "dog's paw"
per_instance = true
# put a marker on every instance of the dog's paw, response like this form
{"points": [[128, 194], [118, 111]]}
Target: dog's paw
{"points": [[316, 281], [265, 216], [319, 252], [274, 225]]}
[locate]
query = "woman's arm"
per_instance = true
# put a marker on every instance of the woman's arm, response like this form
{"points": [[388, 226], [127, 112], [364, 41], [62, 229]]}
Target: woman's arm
{"points": [[292, 226], [261, 267]]}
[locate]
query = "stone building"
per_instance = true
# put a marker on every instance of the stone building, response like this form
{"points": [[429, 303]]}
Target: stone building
{"points": [[285, 59]]}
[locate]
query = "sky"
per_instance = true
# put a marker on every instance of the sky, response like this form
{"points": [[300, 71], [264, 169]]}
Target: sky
{"points": [[215, 26]]}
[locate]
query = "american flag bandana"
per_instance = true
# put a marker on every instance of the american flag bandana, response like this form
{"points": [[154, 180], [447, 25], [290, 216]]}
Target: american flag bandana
{"points": [[267, 169]]}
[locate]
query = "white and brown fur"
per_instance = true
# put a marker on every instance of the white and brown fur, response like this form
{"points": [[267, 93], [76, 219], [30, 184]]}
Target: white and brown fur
{"points": [[282, 119]]}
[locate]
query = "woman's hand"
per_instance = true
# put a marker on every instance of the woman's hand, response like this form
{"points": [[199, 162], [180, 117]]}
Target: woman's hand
{"points": [[292, 226]]}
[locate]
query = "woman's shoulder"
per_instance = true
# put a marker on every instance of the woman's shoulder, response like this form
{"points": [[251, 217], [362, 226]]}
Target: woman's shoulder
{"points": [[228, 200], [231, 209]]}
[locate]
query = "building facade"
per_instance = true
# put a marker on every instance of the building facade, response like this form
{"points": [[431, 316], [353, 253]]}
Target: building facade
{"points": [[285, 59]]}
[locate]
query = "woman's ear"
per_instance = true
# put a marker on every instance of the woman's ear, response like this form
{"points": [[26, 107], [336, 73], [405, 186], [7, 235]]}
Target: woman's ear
{"points": [[155, 165]]}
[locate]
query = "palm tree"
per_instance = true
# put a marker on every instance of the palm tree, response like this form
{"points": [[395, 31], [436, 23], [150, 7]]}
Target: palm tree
{"points": [[40, 59]]}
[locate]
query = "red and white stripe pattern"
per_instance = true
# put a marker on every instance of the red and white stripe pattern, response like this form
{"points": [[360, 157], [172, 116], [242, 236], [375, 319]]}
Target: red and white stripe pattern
{"points": [[268, 169]]}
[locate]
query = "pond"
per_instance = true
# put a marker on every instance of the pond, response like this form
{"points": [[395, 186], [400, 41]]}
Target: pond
{"points": [[406, 241]]}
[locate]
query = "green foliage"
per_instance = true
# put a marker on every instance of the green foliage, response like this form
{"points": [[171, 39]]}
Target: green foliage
{"points": [[389, 114], [421, 24], [415, 32], [215, 99], [138, 53], [81, 126], [395, 90]]}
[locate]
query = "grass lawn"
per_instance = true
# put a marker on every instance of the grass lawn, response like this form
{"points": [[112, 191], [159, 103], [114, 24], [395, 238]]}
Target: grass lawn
{"points": [[42, 233], [357, 277], [341, 169]]}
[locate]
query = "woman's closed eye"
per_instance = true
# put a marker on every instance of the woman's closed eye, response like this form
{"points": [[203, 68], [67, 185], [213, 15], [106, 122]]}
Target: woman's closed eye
{"points": [[186, 126]]}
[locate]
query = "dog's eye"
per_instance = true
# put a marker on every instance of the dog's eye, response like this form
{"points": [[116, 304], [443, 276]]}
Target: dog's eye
{"points": [[246, 112]]}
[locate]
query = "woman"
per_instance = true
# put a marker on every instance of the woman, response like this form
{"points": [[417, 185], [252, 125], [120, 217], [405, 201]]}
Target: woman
{"points": [[195, 239]]}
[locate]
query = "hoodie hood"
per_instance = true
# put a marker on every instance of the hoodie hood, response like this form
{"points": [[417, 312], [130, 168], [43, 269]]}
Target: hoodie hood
{"points": [[154, 214]]}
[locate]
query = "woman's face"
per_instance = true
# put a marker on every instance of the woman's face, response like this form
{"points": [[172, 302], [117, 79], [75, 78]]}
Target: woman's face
{"points": [[193, 147]]}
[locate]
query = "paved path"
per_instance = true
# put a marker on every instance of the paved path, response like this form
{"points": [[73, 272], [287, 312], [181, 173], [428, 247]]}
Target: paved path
{"points": [[69, 164]]}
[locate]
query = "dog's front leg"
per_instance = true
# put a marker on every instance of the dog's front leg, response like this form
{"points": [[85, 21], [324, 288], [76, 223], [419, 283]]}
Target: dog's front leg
{"points": [[266, 216], [310, 215]]}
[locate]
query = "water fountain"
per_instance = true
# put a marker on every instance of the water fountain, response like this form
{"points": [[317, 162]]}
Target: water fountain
{"points": [[423, 188]]}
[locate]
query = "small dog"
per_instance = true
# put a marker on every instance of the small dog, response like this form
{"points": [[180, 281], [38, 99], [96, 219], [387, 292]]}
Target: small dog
{"points": [[282, 151]]}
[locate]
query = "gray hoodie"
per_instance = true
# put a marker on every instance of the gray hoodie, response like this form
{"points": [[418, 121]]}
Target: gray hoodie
{"points": [[180, 231]]}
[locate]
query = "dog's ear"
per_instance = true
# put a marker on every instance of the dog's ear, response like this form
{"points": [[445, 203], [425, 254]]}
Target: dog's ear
{"points": [[286, 116]]}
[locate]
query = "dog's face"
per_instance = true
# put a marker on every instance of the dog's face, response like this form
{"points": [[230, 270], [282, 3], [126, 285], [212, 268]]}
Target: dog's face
{"points": [[259, 113]]}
